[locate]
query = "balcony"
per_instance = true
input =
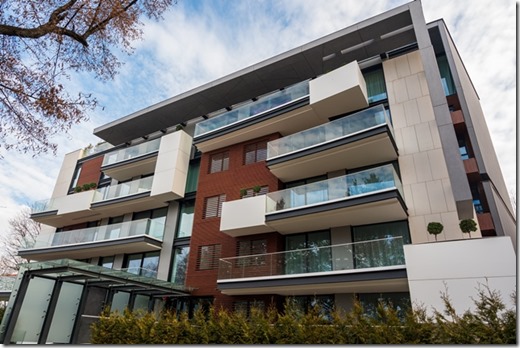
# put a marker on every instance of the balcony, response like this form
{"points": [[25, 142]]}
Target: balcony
{"points": [[349, 267], [64, 210], [243, 217], [128, 237], [269, 114], [357, 140], [370, 196], [167, 183], [132, 161]]}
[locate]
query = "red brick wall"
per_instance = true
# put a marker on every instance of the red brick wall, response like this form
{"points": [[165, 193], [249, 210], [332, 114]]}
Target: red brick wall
{"points": [[90, 171], [207, 231]]}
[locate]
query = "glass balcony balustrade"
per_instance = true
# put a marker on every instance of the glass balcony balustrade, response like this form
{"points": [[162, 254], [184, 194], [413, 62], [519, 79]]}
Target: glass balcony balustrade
{"points": [[122, 190], [249, 110], [365, 182], [143, 272], [153, 228], [341, 128], [383, 252], [90, 150], [131, 152], [43, 205]]}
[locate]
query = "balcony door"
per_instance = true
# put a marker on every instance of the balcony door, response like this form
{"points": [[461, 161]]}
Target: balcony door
{"points": [[308, 252]]}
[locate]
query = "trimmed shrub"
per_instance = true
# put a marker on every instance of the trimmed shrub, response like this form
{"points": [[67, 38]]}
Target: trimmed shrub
{"points": [[490, 323]]}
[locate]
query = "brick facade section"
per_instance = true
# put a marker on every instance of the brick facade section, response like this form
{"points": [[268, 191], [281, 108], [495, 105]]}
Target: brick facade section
{"points": [[90, 171], [207, 231]]}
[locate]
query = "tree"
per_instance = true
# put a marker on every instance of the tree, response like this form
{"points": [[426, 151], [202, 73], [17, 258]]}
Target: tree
{"points": [[435, 228], [468, 226], [41, 43], [22, 231]]}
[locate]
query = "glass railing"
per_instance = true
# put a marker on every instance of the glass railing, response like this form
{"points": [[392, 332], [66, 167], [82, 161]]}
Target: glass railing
{"points": [[143, 272], [153, 228], [252, 109], [131, 152], [90, 150], [337, 129], [360, 183], [383, 252], [123, 190], [43, 205]]}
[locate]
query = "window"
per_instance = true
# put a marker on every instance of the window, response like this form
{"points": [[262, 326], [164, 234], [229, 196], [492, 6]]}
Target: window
{"points": [[246, 306], [187, 212], [251, 247], [446, 78], [375, 81], [106, 261], [143, 264], [193, 176], [399, 301], [256, 152], [219, 162], [208, 257], [213, 206], [316, 259], [75, 179], [378, 245], [155, 227], [180, 265]]}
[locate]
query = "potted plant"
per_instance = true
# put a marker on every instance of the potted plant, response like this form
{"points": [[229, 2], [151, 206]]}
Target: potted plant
{"points": [[435, 228], [243, 192], [468, 226], [78, 189], [256, 189], [92, 185]]}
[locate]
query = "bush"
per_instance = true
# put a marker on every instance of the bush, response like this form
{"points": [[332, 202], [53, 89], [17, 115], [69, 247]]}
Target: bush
{"points": [[490, 323], [435, 228]]}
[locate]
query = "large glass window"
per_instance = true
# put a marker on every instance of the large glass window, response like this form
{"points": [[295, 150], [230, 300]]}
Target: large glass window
{"points": [[106, 261], [399, 301], [143, 264], [308, 194], [186, 215], [375, 82], [158, 220], [302, 304], [386, 251], [314, 259], [180, 264], [446, 78], [252, 247]]}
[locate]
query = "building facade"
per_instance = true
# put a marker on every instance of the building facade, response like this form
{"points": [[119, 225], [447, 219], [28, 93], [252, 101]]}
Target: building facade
{"points": [[312, 176]]}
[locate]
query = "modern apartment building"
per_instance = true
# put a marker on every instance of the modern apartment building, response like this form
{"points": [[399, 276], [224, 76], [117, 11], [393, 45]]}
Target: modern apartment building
{"points": [[312, 175]]}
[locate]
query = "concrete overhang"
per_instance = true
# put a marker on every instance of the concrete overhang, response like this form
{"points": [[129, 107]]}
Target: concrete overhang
{"points": [[367, 39]]}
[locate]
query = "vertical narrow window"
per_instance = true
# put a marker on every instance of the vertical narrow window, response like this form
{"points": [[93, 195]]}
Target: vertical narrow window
{"points": [[180, 265], [446, 78], [375, 81], [186, 219], [219, 162], [193, 176], [256, 152], [208, 256], [213, 206]]}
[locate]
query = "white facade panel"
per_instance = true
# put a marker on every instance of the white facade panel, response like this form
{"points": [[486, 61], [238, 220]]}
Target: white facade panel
{"points": [[459, 268]]}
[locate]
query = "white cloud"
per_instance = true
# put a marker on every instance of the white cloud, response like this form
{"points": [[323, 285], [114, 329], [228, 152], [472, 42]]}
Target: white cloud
{"points": [[198, 42]]}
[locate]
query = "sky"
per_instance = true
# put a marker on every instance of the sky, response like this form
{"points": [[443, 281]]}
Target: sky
{"points": [[199, 41]]}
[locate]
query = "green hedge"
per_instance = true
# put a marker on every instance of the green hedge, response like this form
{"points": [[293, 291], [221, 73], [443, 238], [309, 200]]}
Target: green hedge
{"points": [[490, 323]]}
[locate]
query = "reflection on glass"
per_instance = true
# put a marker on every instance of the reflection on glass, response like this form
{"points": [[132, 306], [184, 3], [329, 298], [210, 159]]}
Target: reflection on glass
{"points": [[249, 110], [343, 127], [180, 265], [363, 182]]}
